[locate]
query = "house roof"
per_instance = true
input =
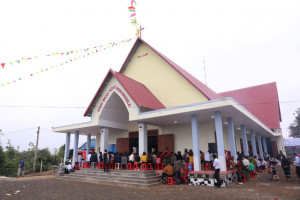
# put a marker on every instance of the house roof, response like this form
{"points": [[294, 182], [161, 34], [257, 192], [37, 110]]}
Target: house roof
{"points": [[139, 93], [206, 91], [261, 100]]}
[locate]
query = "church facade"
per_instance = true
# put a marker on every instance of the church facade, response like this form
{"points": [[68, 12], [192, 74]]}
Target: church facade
{"points": [[152, 103]]}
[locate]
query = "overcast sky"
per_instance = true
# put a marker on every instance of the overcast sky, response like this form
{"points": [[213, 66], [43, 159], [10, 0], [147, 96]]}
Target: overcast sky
{"points": [[245, 43]]}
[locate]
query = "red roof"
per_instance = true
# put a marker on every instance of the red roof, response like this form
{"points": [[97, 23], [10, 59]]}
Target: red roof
{"points": [[206, 91], [136, 90], [261, 101]]}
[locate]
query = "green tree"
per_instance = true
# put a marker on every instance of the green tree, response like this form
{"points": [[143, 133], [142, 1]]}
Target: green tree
{"points": [[294, 127], [2, 159]]}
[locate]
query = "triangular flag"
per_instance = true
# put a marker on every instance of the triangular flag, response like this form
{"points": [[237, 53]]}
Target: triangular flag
{"points": [[3, 65], [20, 78], [11, 63], [36, 72], [35, 56], [2, 84], [23, 58], [67, 53], [62, 53], [42, 70]]}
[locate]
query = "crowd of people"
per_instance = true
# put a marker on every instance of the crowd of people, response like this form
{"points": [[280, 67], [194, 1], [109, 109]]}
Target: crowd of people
{"points": [[175, 163]]}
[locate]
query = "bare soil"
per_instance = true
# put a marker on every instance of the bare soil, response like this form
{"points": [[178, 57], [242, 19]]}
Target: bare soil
{"points": [[48, 187]]}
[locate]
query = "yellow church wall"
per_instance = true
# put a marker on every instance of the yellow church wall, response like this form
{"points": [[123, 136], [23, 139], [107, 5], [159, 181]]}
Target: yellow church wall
{"points": [[161, 79]]}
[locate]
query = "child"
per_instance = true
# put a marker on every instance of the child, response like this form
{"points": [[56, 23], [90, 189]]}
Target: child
{"points": [[275, 174], [270, 172]]}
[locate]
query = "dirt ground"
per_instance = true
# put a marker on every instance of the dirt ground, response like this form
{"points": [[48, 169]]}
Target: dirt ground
{"points": [[48, 187]]}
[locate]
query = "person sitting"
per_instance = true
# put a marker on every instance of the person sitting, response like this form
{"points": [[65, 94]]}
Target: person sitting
{"points": [[251, 167], [76, 167], [264, 164], [258, 165], [168, 172], [144, 158], [118, 158], [70, 168], [131, 158], [275, 174], [137, 159], [270, 172], [172, 158]]}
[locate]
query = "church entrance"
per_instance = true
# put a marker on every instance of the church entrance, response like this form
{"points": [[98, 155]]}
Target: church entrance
{"points": [[152, 141]]}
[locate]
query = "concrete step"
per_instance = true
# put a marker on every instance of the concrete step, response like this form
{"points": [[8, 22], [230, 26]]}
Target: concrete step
{"points": [[115, 183], [119, 173], [108, 175], [119, 179]]}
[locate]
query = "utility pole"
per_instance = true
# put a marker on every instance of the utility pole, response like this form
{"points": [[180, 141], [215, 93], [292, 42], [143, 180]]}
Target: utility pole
{"points": [[204, 70], [36, 148]]}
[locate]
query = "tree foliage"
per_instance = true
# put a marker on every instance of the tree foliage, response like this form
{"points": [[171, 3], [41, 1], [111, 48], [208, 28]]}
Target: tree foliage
{"points": [[10, 158], [294, 127]]}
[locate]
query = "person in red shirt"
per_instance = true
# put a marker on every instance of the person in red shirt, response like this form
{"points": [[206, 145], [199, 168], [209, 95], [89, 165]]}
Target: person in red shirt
{"points": [[76, 167]]}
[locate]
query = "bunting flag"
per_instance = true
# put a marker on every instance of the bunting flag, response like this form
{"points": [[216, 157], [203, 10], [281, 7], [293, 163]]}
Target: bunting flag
{"points": [[98, 48], [66, 62]]}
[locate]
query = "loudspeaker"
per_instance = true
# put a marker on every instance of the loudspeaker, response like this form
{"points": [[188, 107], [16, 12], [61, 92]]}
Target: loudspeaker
{"points": [[212, 148]]}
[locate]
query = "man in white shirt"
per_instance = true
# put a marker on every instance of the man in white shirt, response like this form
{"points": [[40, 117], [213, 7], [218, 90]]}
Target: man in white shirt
{"points": [[297, 163], [217, 170]]}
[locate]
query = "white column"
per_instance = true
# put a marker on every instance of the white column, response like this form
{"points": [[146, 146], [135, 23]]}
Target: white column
{"points": [[220, 141], [97, 143], [196, 145], [104, 139], [253, 143], [245, 141], [231, 137], [143, 140], [67, 146], [265, 144], [88, 144], [261, 154], [75, 151]]}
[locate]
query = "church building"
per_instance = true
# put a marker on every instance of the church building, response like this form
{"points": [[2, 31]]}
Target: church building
{"points": [[152, 103]]}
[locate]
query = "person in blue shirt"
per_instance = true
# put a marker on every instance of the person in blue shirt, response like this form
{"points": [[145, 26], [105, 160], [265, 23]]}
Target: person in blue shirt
{"points": [[22, 167]]}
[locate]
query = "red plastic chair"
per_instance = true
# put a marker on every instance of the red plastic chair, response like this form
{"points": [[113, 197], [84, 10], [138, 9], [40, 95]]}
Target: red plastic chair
{"points": [[171, 181], [136, 166], [207, 166], [252, 174], [186, 166], [162, 165], [143, 167], [157, 166], [100, 165], [129, 166], [149, 166], [184, 177], [244, 178]]}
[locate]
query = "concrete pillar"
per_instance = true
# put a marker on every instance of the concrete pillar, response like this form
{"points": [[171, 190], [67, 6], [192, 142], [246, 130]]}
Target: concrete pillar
{"points": [[253, 143], [88, 144], [104, 139], [245, 141], [220, 141], [231, 137], [196, 145], [261, 154], [67, 146], [143, 138], [97, 143], [75, 151], [265, 144]]}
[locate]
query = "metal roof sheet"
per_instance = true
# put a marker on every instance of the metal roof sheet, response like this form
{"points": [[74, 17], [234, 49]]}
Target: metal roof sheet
{"points": [[261, 100]]}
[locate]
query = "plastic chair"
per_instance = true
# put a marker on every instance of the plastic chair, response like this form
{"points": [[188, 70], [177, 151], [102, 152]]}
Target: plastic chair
{"points": [[184, 177], [186, 166], [117, 166], [162, 165], [252, 174], [136, 166], [149, 166], [143, 167], [170, 181], [129, 166], [100, 165], [207, 166], [157, 166], [244, 178]]}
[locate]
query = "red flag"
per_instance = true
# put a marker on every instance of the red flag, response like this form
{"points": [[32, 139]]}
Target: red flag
{"points": [[3, 65]]}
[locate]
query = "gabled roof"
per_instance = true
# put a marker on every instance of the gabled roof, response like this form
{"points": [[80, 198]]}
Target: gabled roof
{"points": [[261, 100], [136, 90], [206, 91]]}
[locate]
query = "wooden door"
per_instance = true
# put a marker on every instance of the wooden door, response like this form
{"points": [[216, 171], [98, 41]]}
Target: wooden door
{"points": [[274, 149], [165, 141], [122, 145]]}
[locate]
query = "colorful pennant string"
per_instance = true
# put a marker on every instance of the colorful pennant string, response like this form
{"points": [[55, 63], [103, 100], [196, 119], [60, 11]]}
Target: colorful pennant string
{"points": [[68, 61]]}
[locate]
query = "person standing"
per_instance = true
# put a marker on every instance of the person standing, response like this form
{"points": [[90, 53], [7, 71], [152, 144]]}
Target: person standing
{"points": [[286, 166], [105, 160], [80, 159], [22, 167], [207, 158], [94, 160], [297, 164], [216, 166]]}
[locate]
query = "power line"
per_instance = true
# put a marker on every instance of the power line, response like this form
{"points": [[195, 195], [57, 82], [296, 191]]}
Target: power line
{"points": [[18, 131], [84, 107]]}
